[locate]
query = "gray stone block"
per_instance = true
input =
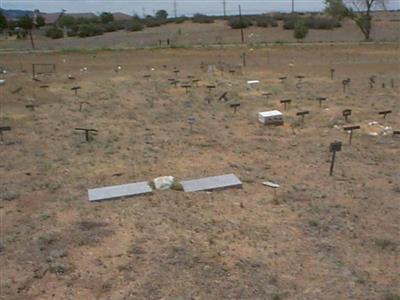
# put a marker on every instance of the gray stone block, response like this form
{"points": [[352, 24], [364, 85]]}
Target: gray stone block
{"points": [[211, 183], [118, 191]]}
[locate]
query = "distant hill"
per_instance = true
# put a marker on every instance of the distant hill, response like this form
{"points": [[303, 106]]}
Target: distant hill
{"points": [[16, 13]]}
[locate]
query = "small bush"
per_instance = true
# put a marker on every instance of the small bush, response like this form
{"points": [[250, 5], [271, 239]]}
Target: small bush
{"points": [[300, 30], [134, 25], [180, 20], [199, 18], [237, 23], [87, 30], [289, 22], [154, 22], [54, 33], [322, 23]]}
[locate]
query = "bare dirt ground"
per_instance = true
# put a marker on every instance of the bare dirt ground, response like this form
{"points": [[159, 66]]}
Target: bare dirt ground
{"points": [[386, 27], [319, 237]]}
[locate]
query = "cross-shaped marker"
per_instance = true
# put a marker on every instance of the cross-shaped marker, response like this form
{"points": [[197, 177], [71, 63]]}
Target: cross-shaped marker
{"points": [[87, 131], [351, 128], [286, 103], [176, 71], [2, 129], [266, 94], [396, 133], [302, 114], [346, 113], [210, 87], [186, 86], [232, 72], [75, 89], [196, 82], [384, 113], [282, 79], [234, 106], [45, 86]]}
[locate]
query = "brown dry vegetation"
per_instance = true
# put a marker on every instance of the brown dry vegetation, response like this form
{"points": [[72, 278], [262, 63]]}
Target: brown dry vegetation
{"points": [[386, 27], [319, 237]]}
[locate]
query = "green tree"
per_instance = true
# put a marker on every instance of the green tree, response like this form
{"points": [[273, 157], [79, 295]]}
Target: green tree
{"points": [[67, 21], [40, 21], [357, 10], [3, 21], [161, 14], [26, 23], [106, 17]]}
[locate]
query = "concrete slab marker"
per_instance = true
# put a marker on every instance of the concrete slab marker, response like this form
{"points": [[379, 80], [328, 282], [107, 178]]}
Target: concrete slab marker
{"points": [[211, 183], [119, 191]]}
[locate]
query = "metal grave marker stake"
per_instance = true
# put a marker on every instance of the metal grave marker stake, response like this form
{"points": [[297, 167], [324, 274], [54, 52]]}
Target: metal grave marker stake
{"points": [[346, 113], [320, 99], [75, 89], [234, 106], [210, 87], [332, 73], [266, 94], [282, 79], [302, 114], [384, 113], [186, 86], [286, 103], [87, 131], [345, 83], [334, 147], [351, 128]]}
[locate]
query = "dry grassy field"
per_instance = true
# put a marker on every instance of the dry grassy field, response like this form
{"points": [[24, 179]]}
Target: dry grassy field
{"points": [[385, 27], [316, 237]]}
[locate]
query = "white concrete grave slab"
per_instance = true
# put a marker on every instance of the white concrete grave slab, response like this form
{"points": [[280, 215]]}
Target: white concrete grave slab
{"points": [[211, 183], [119, 191]]}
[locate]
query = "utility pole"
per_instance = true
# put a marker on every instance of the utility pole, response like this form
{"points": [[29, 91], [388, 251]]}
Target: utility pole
{"points": [[175, 10], [292, 6], [241, 23], [144, 12], [224, 8]]}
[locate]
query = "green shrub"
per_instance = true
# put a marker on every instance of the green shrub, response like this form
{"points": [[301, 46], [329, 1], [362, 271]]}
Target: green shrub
{"points": [[289, 22], [92, 29], [300, 30], [134, 25], [237, 23], [180, 20], [54, 33], [199, 18]]}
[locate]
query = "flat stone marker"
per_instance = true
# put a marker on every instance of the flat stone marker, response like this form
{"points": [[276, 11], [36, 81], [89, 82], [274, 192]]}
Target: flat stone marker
{"points": [[118, 191], [211, 183]]}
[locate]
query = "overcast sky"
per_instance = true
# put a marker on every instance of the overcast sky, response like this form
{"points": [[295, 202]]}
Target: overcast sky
{"points": [[184, 7]]}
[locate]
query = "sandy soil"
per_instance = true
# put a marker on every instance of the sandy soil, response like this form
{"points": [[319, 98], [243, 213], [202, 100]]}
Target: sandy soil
{"points": [[318, 237]]}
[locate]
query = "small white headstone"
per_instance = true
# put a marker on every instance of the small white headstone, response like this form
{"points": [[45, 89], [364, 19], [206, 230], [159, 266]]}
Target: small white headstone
{"points": [[164, 182]]}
